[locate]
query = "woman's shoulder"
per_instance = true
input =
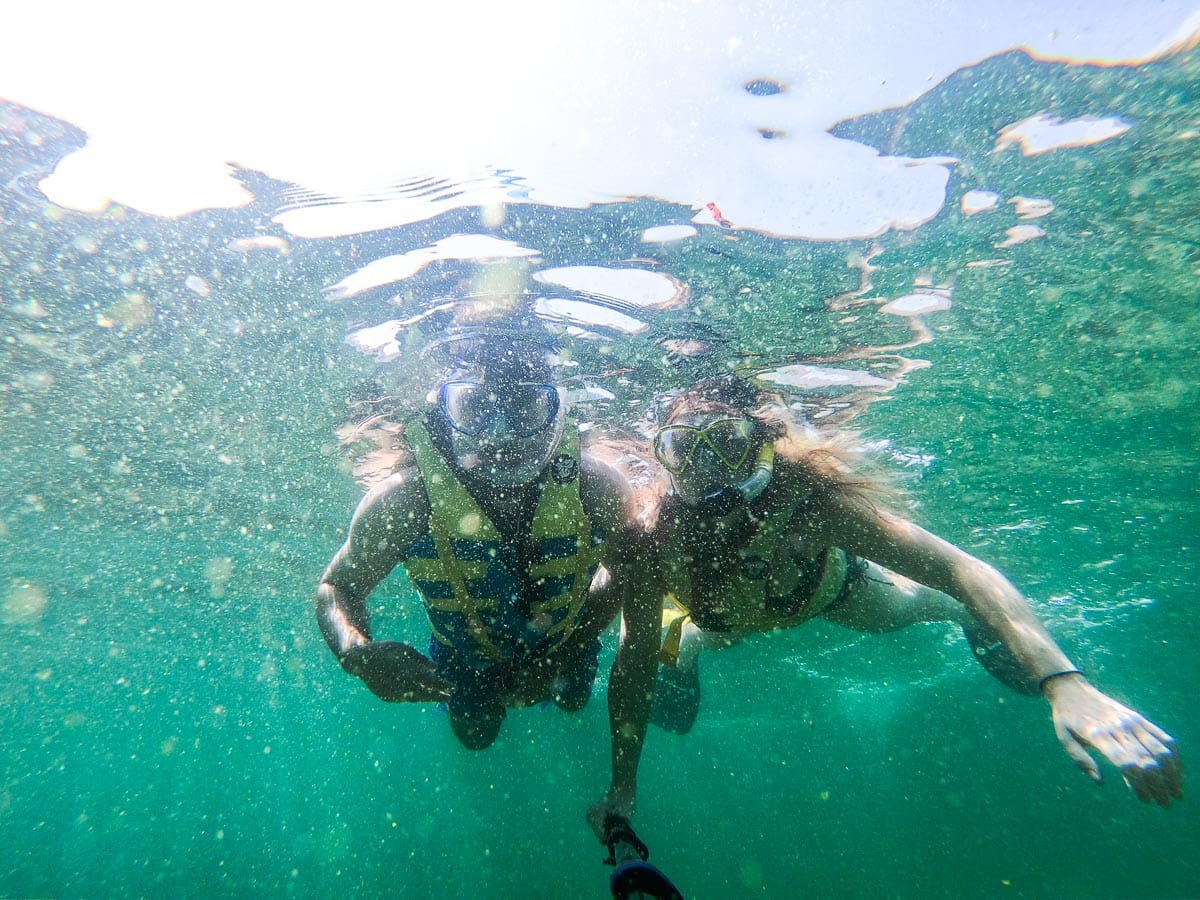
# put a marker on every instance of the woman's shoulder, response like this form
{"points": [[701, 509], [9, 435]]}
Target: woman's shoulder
{"points": [[801, 468], [836, 463]]}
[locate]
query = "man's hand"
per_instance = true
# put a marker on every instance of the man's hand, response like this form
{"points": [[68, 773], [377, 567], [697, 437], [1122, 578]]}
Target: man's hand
{"points": [[1086, 719], [395, 672]]}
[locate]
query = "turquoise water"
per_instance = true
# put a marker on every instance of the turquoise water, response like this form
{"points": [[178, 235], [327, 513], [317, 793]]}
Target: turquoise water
{"points": [[174, 726]]}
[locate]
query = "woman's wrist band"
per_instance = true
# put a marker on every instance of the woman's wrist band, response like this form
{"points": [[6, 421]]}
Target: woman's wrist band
{"points": [[1042, 683]]}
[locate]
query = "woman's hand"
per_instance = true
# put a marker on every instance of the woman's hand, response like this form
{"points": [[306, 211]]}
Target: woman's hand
{"points": [[1085, 719]]}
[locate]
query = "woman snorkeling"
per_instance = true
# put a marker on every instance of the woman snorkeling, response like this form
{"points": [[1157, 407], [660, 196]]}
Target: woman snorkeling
{"points": [[768, 527]]}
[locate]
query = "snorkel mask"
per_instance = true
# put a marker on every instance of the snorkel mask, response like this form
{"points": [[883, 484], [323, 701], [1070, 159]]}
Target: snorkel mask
{"points": [[503, 416], [504, 431], [724, 501], [711, 453]]}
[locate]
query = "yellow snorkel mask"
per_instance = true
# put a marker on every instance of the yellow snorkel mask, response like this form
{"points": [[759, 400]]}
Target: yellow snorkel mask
{"points": [[727, 442]]}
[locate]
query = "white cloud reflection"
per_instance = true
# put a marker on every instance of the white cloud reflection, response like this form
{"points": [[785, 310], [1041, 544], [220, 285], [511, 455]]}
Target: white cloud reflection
{"points": [[527, 102], [1043, 133], [635, 286], [815, 378], [395, 268]]}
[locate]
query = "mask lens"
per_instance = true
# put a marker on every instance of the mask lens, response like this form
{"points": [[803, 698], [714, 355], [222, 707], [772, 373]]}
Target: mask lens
{"points": [[726, 440], [467, 406], [529, 408], [730, 440], [474, 409], [674, 446]]}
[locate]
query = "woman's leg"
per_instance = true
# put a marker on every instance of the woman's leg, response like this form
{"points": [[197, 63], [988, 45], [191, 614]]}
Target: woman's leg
{"points": [[876, 600], [677, 690]]}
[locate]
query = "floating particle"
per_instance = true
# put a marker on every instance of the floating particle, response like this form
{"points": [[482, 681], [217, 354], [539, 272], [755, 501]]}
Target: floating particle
{"points": [[259, 242], [492, 215], [131, 311], [74, 720], [751, 872], [219, 568], [24, 603], [31, 309], [217, 572], [197, 285], [38, 382]]}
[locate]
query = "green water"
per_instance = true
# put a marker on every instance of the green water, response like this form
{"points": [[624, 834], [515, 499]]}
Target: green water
{"points": [[174, 726]]}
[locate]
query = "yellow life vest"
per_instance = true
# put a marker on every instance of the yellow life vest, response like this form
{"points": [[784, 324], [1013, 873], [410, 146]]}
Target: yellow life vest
{"points": [[748, 578], [478, 599]]}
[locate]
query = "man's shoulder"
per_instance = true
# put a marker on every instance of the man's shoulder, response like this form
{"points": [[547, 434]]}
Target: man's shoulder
{"points": [[596, 466], [395, 511], [399, 488], [601, 473], [599, 480]]}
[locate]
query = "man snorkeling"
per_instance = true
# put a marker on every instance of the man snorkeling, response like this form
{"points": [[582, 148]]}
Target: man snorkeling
{"points": [[767, 528], [503, 526]]}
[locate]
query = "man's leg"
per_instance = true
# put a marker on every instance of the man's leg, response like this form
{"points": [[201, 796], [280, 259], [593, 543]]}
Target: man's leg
{"points": [[579, 658], [567, 674], [476, 710], [572, 686]]}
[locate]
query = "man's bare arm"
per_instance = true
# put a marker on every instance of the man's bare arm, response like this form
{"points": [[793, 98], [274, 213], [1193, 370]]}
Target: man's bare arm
{"points": [[390, 517], [606, 497]]}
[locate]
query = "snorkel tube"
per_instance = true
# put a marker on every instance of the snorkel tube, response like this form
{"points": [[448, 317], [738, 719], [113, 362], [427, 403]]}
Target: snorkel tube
{"points": [[724, 501]]}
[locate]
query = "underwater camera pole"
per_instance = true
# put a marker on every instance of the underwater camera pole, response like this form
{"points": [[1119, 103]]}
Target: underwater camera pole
{"points": [[632, 876]]}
